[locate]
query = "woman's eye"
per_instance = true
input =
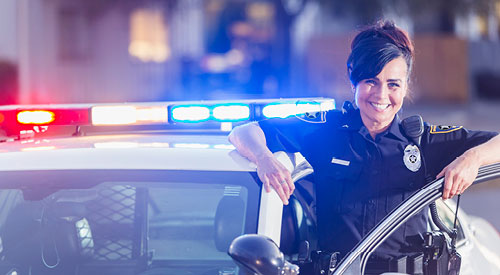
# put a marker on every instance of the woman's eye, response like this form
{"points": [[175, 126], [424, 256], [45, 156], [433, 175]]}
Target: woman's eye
{"points": [[370, 82], [393, 85]]}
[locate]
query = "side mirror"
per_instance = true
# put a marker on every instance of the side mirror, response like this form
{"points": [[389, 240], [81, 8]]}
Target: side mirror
{"points": [[258, 254]]}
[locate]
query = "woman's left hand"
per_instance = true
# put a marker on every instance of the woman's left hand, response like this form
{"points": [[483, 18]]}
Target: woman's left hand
{"points": [[459, 174]]}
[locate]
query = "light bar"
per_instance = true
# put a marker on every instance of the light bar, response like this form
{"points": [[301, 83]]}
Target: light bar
{"points": [[190, 113], [231, 112], [284, 110], [28, 120], [119, 144], [40, 148], [35, 117], [127, 115], [191, 145], [279, 110], [224, 146]]}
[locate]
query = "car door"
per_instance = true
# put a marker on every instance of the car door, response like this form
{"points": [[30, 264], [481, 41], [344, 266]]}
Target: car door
{"points": [[355, 261]]}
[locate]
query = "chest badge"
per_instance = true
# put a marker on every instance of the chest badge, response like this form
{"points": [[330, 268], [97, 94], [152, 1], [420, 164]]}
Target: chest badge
{"points": [[411, 158]]}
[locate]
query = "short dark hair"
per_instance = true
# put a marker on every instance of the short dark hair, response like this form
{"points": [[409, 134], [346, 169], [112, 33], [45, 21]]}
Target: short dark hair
{"points": [[374, 47]]}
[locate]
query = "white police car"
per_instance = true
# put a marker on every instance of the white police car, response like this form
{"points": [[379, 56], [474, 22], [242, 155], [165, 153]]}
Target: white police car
{"points": [[157, 189]]}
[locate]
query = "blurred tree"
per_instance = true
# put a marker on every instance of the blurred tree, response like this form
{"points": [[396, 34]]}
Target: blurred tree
{"points": [[368, 11]]}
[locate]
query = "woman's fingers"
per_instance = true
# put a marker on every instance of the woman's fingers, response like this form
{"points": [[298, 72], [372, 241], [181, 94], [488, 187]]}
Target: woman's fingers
{"points": [[267, 184], [448, 182], [282, 189], [289, 182], [458, 176], [455, 185], [273, 174]]}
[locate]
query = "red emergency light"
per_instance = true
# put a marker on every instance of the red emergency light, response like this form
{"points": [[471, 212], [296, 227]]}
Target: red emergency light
{"points": [[43, 117]]}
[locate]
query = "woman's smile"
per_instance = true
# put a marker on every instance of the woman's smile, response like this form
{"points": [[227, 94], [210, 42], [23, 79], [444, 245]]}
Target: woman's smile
{"points": [[380, 106]]}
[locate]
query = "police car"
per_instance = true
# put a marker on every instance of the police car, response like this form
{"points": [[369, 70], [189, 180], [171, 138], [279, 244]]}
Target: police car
{"points": [[155, 188]]}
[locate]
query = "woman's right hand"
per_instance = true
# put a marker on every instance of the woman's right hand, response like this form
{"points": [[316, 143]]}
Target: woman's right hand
{"points": [[272, 173], [250, 141]]}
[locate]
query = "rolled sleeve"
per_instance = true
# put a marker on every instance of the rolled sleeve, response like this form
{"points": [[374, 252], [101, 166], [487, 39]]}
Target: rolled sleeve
{"points": [[444, 147], [289, 134]]}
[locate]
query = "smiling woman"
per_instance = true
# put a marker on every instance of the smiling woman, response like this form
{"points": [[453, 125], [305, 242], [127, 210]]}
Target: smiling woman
{"points": [[379, 67], [366, 160], [381, 97]]}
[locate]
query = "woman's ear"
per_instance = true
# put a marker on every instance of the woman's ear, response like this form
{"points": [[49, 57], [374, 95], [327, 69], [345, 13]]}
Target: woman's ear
{"points": [[353, 89]]}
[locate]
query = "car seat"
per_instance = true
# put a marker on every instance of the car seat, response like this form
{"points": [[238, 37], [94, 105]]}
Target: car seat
{"points": [[47, 238], [228, 223]]}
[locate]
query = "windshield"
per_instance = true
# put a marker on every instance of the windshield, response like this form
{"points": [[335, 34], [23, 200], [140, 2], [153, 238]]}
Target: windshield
{"points": [[124, 222]]}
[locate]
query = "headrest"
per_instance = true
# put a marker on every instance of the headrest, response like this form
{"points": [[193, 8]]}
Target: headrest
{"points": [[228, 223], [41, 233]]}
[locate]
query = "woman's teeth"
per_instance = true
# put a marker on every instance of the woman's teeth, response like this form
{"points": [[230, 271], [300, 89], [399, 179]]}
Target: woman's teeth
{"points": [[379, 106]]}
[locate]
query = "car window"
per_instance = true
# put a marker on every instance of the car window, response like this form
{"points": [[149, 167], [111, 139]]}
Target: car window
{"points": [[177, 221], [447, 216], [189, 220], [482, 200]]}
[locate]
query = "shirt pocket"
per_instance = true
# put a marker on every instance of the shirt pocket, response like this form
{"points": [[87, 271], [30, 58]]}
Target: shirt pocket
{"points": [[348, 171], [346, 181], [402, 178]]}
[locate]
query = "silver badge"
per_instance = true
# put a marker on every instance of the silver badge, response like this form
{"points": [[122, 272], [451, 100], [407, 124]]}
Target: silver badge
{"points": [[412, 158]]}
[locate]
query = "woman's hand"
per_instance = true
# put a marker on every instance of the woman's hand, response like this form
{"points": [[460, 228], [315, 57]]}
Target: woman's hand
{"points": [[250, 141], [459, 174], [272, 173]]}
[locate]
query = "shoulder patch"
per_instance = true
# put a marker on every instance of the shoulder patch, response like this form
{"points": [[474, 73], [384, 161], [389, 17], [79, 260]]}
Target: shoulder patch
{"points": [[443, 129]]}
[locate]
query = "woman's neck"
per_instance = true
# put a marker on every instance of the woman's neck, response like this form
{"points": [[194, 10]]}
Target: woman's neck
{"points": [[375, 127]]}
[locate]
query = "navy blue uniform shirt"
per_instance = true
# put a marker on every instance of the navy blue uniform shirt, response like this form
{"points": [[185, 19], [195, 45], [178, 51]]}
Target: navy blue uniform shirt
{"points": [[358, 179]]}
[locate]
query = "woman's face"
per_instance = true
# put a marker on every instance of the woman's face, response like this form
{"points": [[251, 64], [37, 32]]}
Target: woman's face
{"points": [[381, 97]]}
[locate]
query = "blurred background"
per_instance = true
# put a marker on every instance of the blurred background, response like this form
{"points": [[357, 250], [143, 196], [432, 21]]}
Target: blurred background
{"points": [[60, 51]]}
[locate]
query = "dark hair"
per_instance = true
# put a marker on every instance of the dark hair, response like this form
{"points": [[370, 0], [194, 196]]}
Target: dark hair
{"points": [[374, 47]]}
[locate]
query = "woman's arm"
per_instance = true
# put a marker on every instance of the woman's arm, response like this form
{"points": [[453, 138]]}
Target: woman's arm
{"points": [[460, 173], [250, 141]]}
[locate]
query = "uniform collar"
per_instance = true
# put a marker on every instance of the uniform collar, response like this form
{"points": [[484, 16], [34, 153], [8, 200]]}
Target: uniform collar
{"points": [[354, 123], [396, 130]]}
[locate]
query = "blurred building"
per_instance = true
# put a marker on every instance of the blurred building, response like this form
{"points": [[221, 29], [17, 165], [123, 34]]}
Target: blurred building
{"points": [[457, 49], [101, 51], [127, 50], [8, 53]]}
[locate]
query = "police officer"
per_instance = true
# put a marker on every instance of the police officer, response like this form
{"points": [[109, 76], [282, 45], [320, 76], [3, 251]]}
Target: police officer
{"points": [[365, 164]]}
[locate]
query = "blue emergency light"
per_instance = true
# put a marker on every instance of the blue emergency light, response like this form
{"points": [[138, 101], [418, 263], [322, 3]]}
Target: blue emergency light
{"points": [[193, 113]]}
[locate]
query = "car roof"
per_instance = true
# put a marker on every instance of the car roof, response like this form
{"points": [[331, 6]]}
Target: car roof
{"points": [[150, 150]]}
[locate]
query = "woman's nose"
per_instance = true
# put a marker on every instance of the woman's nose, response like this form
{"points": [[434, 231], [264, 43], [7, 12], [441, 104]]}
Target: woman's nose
{"points": [[381, 91]]}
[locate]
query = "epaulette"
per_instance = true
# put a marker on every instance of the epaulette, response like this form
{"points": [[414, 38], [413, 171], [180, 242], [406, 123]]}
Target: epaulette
{"points": [[347, 107], [345, 117]]}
